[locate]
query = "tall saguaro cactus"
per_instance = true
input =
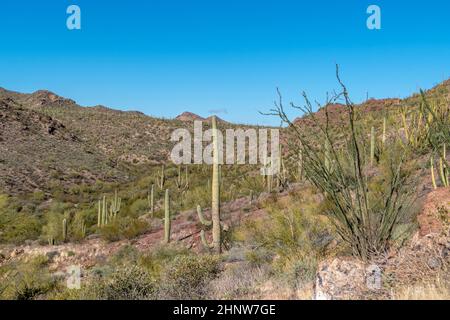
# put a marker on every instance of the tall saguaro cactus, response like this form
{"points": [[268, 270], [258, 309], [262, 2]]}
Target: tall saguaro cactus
{"points": [[150, 199], [383, 138], [433, 179], [215, 202], [104, 212], [372, 145], [167, 217], [64, 229], [99, 215]]}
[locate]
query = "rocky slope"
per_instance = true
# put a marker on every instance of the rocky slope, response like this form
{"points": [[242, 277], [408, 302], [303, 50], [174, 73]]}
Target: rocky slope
{"points": [[48, 140]]}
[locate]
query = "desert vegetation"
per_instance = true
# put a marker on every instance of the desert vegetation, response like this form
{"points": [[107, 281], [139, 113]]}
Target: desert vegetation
{"points": [[354, 182]]}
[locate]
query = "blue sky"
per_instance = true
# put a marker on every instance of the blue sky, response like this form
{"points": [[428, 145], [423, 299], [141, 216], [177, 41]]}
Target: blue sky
{"points": [[165, 57]]}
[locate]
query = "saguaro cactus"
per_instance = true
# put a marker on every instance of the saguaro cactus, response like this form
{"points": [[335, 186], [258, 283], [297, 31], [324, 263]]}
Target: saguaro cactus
{"points": [[150, 199], [64, 229], [167, 217], [372, 145], [99, 214], [443, 170], [83, 229], [104, 212], [206, 223], [162, 178], [186, 171], [114, 209], [433, 179], [179, 181], [215, 201], [202, 218]]}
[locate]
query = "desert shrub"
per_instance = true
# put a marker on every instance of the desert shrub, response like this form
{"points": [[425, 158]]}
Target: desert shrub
{"points": [[18, 227], [294, 223], [123, 228], [139, 207], [38, 196], [186, 277], [157, 260], [26, 280], [125, 256], [125, 282], [128, 283], [259, 257], [238, 281], [296, 268], [52, 231], [17, 224]]}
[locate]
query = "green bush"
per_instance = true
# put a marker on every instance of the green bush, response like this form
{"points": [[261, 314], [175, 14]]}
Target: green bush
{"points": [[128, 283], [16, 224], [53, 229], [26, 280], [123, 228], [139, 207], [186, 277]]}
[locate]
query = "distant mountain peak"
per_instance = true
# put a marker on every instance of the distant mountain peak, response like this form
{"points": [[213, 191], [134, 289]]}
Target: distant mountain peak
{"points": [[45, 97], [189, 116]]}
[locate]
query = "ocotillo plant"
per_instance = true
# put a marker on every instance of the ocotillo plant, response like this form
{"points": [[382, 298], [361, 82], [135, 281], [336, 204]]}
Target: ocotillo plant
{"points": [[300, 166], [327, 159], [64, 229], [167, 217]]}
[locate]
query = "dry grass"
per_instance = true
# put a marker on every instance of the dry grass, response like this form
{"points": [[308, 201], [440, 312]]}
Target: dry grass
{"points": [[440, 290]]}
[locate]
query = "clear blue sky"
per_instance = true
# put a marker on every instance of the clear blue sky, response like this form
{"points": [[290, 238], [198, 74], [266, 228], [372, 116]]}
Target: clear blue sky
{"points": [[164, 57]]}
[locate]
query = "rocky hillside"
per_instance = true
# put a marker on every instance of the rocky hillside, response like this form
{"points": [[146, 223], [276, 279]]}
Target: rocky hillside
{"points": [[46, 139]]}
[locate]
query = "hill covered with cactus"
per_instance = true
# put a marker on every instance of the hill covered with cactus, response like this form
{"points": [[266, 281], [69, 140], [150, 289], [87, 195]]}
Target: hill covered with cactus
{"points": [[359, 186]]}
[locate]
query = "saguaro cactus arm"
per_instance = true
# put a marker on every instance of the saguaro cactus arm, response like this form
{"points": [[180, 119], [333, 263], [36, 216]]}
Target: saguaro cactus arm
{"points": [[204, 241], [202, 218]]}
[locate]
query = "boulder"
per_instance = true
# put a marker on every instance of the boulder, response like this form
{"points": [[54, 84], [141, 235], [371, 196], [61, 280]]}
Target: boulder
{"points": [[345, 278]]}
